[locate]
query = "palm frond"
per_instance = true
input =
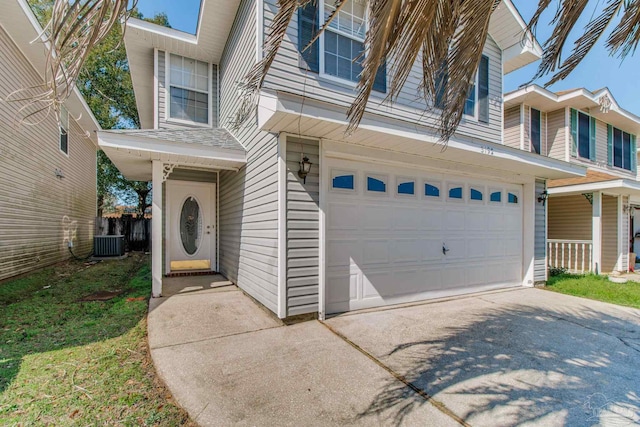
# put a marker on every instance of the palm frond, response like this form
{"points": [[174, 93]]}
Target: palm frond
{"points": [[75, 28], [564, 20], [593, 30], [624, 38]]}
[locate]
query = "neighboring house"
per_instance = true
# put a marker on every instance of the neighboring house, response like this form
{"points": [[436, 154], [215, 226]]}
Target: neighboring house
{"points": [[588, 217], [47, 174], [384, 216]]}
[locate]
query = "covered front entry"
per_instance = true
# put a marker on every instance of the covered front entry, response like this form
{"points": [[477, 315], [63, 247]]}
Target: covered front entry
{"points": [[191, 226], [396, 235], [184, 166]]}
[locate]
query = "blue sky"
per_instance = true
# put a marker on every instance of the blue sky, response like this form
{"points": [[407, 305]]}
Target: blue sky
{"points": [[596, 71], [183, 14]]}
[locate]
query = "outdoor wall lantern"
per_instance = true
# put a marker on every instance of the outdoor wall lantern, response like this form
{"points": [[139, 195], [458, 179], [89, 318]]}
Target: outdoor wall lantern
{"points": [[542, 198], [305, 168]]}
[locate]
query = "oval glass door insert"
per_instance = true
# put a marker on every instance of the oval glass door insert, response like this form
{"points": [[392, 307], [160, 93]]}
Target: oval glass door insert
{"points": [[190, 225]]}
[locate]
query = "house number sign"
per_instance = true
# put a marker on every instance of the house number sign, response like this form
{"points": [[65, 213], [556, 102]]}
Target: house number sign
{"points": [[485, 149]]}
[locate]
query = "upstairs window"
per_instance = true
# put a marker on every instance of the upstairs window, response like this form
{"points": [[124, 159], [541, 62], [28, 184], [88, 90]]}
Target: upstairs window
{"points": [[189, 90], [340, 51], [583, 135], [64, 131], [477, 102], [535, 124], [622, 144]]}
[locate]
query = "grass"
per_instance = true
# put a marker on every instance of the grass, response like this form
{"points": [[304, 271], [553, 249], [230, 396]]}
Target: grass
{"points": [[69, 362], [597, 288]]}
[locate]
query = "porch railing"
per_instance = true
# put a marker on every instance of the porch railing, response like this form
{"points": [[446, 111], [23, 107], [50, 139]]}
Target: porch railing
{"points": [[574, 255]]}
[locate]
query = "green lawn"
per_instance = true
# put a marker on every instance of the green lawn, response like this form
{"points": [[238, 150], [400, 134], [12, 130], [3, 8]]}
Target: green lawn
{"points": [[597, 288], [69, 362]]}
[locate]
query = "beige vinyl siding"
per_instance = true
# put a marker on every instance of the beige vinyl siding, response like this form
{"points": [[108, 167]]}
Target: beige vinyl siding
{"points": [[601, 143], [540, 237], [163, 94], [569, 218], [37, 209], [556, 130], [512, 127], [609, 233], [543, 134], [303, 235], [285, 75], [248, 206]]}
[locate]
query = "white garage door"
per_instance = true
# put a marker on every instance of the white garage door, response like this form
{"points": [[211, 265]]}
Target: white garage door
{"points": [[394, 236]]}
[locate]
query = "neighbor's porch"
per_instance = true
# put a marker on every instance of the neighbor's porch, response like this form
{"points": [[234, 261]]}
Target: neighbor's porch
{"points": [[185, 164], [588, 232]]}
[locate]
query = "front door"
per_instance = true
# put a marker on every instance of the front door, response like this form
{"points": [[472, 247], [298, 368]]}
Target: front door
{"points": [[190, 226]]}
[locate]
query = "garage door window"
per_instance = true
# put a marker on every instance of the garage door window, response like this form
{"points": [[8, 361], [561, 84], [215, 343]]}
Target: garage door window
{"points": [[431, 190], [455, 193], [513, 198], [475, 194], [496, 197], [343, 181], [406, 187], [376, 184]]}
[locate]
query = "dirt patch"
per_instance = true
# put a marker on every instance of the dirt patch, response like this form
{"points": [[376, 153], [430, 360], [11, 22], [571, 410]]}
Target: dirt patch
{"points": [[102, 295]]}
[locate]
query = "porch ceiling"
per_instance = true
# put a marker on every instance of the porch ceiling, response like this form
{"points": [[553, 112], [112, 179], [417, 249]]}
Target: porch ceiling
{"points": [[133, 152], [616, 187], [281, 113]]}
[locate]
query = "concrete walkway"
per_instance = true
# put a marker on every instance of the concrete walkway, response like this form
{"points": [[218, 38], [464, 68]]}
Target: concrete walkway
{"points": [[229, 362], [518, 357]]}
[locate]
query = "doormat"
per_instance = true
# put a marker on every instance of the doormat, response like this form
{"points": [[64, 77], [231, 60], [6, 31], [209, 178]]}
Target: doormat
{"points": [[191, 273]]}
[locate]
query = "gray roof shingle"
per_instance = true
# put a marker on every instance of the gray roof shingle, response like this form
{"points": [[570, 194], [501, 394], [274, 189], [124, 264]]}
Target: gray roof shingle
{"points": [[211, 137]]}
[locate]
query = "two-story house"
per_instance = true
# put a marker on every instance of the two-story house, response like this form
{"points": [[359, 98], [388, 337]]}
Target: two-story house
{"points": [[588, 217], [47, 168], [385, 215]]}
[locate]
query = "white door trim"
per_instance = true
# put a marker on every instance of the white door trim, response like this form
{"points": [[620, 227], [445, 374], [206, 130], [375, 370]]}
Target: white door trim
{"points": [[170, 199]]}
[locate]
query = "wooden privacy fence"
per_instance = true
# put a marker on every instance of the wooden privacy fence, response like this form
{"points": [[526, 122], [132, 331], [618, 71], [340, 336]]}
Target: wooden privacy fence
{"points": [[136, 232]]}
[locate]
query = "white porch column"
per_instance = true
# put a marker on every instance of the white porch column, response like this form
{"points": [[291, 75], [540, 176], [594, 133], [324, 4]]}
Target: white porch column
{"points": [[596, 230], [529, 232], [156, 230]]}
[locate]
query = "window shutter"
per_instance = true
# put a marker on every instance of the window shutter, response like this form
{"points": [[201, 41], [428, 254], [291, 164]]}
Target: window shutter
{"points": [[609, 145], [634, 155], [442, 80], [592, 139], [483, 90], [574, 132], [380, 83], [308, 26]]}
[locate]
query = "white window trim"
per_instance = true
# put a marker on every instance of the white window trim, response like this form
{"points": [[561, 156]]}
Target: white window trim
{"points": [[402, 180], [613, 153], [450, 186], [531, 128], [322, 73], [578, 156], [167, 97], [436, 183], [63, 113], [483, 191], [475, 105], [380, 177], [340, 172]]}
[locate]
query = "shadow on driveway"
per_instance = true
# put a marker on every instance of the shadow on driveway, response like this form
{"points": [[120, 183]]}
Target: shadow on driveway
{"points": [[522, 357]]}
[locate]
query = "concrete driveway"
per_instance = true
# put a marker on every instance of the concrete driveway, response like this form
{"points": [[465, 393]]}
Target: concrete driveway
{"points": [[521, 357]]}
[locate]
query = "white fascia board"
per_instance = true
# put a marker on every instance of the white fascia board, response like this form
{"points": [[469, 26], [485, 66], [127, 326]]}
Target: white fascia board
{"points": [[519, 94], [162, 31], [535, 48], [619, 185], [500, 151], [130, 142]]}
